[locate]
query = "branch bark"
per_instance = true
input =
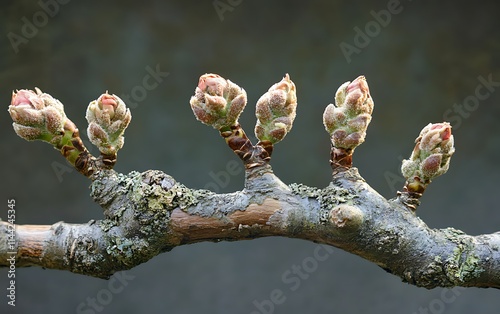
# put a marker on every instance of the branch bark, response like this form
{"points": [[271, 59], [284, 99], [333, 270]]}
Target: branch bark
{"points": [[149, 213]]}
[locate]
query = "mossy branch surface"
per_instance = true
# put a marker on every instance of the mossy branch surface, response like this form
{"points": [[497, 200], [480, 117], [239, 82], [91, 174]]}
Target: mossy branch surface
{"points": [[149, 213]]}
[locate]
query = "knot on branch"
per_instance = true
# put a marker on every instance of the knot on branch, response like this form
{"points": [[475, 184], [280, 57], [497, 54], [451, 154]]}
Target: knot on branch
{"points": [[346, 217]]}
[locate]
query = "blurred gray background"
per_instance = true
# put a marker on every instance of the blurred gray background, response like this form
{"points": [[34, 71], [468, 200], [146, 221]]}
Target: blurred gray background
{"points": [[422, 62]]}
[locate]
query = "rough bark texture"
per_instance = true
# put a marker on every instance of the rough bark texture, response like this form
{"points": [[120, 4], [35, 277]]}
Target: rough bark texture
{"points": [[149, 213]]}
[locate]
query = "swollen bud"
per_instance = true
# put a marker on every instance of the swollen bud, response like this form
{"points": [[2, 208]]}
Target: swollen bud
{"points": [[37, 116], [430, 157], [218, 102], [347, 120], [108, 117], [275, 111]]}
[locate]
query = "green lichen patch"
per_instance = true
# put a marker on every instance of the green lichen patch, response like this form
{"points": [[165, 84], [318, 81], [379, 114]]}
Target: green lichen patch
{"points": [[84, 255], [107, 224], [129, 252], [334, 195], [328, 198], [154, 195], [453, 234], [147, 193], [459, 267], [84, 262], [430, 276], [186, 197], [108, 186], [144, 209], [304, 190], [156, 191], [454, 269], [462, 265], [113, 217]]}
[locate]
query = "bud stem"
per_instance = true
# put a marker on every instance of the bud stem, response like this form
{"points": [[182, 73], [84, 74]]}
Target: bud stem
{"points": [[341, 158], [252, 156], [75, 152]]}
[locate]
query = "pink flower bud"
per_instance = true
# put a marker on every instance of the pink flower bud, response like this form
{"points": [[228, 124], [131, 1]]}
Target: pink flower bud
{"points": [[108, 103], [28, 98], [444, 130], [432, 153], [212, 84], [37, 115], [108, 109], [351, 114], [275, 111], [108, 117], [218, 102], [434, 136], [358, 99]]}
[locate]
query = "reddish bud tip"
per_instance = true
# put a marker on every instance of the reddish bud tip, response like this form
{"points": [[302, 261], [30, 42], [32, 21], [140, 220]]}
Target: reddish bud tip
{"points": [[212, 84], [275, 111], [218, 102], [36, 114], [108, 117]]}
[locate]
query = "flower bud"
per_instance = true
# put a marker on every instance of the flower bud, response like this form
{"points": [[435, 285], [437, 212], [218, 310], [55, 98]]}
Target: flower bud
{"points": [[275, 111], [350, 115], [108, 117], [218, 102], [37, 115], [432, 153], [436, 136]]}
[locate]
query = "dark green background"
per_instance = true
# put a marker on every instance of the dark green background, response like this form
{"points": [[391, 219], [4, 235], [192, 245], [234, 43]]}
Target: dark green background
{"points": [[427, 58]]}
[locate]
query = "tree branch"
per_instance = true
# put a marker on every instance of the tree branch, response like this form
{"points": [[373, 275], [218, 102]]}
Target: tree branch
{"points": [[148, 213]]}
